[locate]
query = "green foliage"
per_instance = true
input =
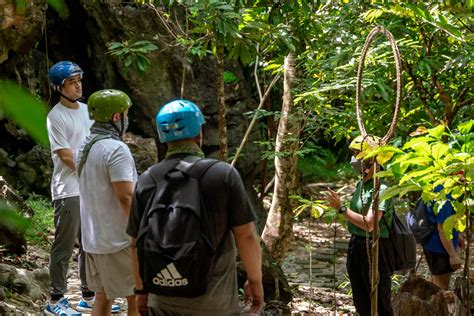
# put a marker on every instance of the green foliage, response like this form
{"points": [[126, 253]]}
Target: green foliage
{"points": [[24, 109], [441, 157], [323, 165], [42, 221], [132, 53], [316, 208], [230, 78], [11, 218], [345, 284], [436, 49], [58, 5]]}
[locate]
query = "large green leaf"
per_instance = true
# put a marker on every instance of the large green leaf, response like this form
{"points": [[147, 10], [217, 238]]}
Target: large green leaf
{"points": [[439, 150], [416, 161], [437, 132], [466, 127], [22, 108], [416, 174], [11, 218], [398, 190]]}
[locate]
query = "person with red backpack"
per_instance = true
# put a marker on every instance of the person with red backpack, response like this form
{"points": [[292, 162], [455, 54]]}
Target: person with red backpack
{"points": [[160, 222]]}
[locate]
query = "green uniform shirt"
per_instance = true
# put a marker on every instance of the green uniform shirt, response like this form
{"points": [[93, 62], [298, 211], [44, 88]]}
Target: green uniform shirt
{"points": [[361, 202]]}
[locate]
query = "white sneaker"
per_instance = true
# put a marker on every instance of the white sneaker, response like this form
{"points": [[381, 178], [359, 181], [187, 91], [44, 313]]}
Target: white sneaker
{"points": [[61, 308]]}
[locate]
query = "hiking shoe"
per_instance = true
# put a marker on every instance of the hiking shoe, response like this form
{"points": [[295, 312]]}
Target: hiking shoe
{"points": [[87, 305], [61, 308]]}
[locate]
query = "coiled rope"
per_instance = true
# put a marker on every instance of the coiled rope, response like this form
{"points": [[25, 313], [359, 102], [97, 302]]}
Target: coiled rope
{"points": [[373, 258]]}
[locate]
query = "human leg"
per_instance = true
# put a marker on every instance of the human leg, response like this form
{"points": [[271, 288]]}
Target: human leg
{"points": [[102, 305], [111, 274], [442, 281], [358, 271], [132, 306], [384, 289], [440, 268], [66, 222], [384, 295], [87, 294]]}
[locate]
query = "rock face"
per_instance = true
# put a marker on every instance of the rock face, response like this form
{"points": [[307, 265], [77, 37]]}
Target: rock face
{"points": [[32, 38], [82, 36], [25, 287]]}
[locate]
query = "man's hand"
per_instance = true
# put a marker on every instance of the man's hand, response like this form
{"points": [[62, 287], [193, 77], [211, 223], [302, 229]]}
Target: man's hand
{"points": [[333, 199], [461, 243], [455, 262], [253, 293], [142, 304]]}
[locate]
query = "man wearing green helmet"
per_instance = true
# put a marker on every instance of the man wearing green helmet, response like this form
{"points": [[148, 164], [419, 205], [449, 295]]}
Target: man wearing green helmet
{"points": [[107, 177]]}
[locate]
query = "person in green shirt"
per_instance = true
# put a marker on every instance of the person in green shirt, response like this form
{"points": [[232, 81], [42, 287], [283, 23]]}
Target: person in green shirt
{"points": [[360, 215]]}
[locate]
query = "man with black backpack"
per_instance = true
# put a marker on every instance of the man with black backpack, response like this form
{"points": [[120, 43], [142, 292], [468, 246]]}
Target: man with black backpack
{"points": [[189, 214]]}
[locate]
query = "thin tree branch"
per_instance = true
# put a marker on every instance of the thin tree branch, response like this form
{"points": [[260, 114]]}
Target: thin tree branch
{"points": [[163, 21], [421, 91], [247, 133], [256, 76]]}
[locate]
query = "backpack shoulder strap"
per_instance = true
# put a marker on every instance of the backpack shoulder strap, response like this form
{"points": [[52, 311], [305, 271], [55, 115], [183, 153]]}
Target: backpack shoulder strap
{"points": [[195, 167], [87, 149], [159, 170]]}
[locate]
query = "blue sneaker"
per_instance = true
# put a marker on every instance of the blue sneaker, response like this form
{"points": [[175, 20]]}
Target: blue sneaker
{"points": [[61, 308], [87, 305]]}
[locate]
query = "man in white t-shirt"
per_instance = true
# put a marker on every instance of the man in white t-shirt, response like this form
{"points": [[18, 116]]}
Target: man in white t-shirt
{"points": [[107, 178], [68, 124]]}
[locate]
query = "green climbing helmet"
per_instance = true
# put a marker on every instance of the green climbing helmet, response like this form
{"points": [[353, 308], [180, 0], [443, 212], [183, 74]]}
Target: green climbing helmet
{"points": [[103, 104]]}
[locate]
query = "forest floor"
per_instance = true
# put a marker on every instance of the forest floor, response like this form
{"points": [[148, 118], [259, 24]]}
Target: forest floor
{"points": [[314, 266]]}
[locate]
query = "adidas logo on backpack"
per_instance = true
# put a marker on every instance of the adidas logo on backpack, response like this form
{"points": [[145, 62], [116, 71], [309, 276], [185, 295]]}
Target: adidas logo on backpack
{"points": [[169, 276]]}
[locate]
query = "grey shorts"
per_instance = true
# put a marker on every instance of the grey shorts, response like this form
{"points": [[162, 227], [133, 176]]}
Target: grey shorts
{"points": [[111, 273]]}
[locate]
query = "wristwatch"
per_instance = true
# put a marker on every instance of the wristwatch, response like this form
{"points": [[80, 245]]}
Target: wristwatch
{"points": [[342, 209]]}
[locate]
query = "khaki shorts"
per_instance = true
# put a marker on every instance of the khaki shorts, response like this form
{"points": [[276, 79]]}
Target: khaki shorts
{"points": [[110, 273]]}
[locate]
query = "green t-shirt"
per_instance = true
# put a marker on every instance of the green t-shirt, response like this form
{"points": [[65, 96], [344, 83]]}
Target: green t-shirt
{"points": [[361, 202]]}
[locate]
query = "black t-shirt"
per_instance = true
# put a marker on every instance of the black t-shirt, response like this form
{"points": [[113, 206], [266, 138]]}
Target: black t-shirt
{"points": [[223, 193]]}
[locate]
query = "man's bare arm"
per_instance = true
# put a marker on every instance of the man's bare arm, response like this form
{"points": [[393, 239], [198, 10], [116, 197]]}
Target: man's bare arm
{"points": [[124, 192], [248, 245], [67, 157]]}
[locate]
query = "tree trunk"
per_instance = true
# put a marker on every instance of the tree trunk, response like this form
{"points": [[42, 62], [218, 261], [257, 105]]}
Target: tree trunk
{"points": [[279, 227], [221, 111], [419, 297]]}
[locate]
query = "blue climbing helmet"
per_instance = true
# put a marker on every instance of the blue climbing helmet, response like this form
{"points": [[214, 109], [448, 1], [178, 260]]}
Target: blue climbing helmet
{"points": [[61, 71], [179, 119]]}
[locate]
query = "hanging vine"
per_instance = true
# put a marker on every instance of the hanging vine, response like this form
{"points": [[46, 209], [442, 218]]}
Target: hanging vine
{"points": [[373, 142]]}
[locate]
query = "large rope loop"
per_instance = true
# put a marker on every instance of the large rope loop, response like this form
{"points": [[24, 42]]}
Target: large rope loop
{"points": [[360, 70]]}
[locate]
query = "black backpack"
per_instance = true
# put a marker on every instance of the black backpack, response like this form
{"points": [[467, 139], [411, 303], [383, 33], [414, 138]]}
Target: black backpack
{"points": [[404, 245], [175, 242], [419, 223]]}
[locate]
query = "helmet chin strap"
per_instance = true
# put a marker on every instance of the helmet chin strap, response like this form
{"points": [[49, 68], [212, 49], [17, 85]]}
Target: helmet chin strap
{"points": [[70, 99]]}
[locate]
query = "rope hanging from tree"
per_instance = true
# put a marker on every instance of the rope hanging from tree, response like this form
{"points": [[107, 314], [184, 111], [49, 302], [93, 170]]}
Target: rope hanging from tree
{"points": [[371, 141]]}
